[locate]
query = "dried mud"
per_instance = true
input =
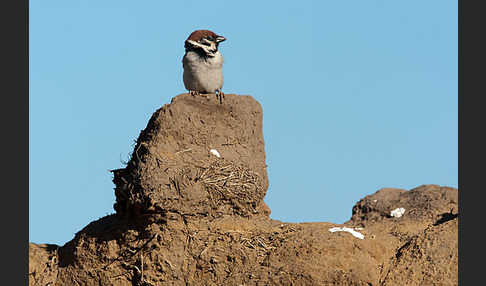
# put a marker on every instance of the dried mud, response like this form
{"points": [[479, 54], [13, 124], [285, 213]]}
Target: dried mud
{"points": [[187, 217]]}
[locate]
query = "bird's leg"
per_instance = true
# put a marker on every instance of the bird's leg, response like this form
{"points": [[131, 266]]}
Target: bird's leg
{"points": [[193, 92], [220, 96]]}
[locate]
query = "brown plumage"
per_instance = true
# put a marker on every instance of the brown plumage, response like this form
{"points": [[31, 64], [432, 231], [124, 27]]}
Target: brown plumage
{"points": [[199, 34], [203, 63]]}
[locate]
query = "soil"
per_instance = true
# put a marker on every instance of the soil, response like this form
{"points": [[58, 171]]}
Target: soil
{"points": [[185, 216]]}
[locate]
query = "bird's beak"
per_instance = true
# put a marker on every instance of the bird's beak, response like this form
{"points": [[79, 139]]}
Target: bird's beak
{"points": [[220, 39]]}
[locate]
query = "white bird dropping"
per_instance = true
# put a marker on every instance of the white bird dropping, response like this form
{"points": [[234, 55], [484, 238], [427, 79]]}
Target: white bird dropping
{"points": [[215, 153], [347, 229], [398, 212]]}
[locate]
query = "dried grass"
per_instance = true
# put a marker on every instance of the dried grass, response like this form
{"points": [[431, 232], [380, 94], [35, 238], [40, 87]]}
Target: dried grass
{"points": [[237, 184]]}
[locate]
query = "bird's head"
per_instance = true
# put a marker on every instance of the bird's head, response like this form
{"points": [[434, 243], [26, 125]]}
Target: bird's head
{"points": [[203, 41]]}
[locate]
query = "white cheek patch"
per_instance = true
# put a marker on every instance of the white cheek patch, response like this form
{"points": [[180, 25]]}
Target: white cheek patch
{"points": [[196, 44], [210, 50]]}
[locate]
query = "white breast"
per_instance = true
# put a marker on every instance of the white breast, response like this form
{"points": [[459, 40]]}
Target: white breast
{"points": [[203, 74]]}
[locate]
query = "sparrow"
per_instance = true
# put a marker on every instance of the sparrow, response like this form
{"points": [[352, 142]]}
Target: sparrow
{"points": [[203, 64]]}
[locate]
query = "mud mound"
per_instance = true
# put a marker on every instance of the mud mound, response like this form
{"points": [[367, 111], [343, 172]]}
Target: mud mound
{"points": [[190, 211], [427, 202], [173, 166]]}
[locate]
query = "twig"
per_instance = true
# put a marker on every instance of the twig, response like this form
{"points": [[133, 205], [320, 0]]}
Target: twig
{"points": [[141, 263], [168, 263], [183, 151], [136, 153], [138, 270], [204, 251]]}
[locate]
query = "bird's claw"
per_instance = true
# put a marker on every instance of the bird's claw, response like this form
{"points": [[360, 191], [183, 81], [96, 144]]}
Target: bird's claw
{"points": [[193, 92], [220, 96]]}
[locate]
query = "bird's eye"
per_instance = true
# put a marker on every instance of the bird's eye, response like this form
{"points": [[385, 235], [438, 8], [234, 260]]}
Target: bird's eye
{"points": [[206, 42]]}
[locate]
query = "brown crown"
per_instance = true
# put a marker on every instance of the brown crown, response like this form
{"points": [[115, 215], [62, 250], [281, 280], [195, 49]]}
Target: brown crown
{"points": [[199, 34]]}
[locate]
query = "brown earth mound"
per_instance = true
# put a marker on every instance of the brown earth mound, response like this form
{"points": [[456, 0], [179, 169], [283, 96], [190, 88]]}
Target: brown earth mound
{"points": [[190, 211]]}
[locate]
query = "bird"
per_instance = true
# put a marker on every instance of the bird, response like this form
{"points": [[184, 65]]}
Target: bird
{"points": [[203, 64]]}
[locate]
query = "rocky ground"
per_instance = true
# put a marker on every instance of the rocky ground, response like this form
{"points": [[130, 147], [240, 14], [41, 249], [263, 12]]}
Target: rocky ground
{"points": [[190, 211]]}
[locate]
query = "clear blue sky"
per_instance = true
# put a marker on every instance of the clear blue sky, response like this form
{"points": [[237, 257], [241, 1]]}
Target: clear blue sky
{"points": [[357, 96]]}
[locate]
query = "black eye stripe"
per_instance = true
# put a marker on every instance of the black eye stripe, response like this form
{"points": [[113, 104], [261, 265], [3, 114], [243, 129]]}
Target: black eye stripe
{"points": [[207, 39]]}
